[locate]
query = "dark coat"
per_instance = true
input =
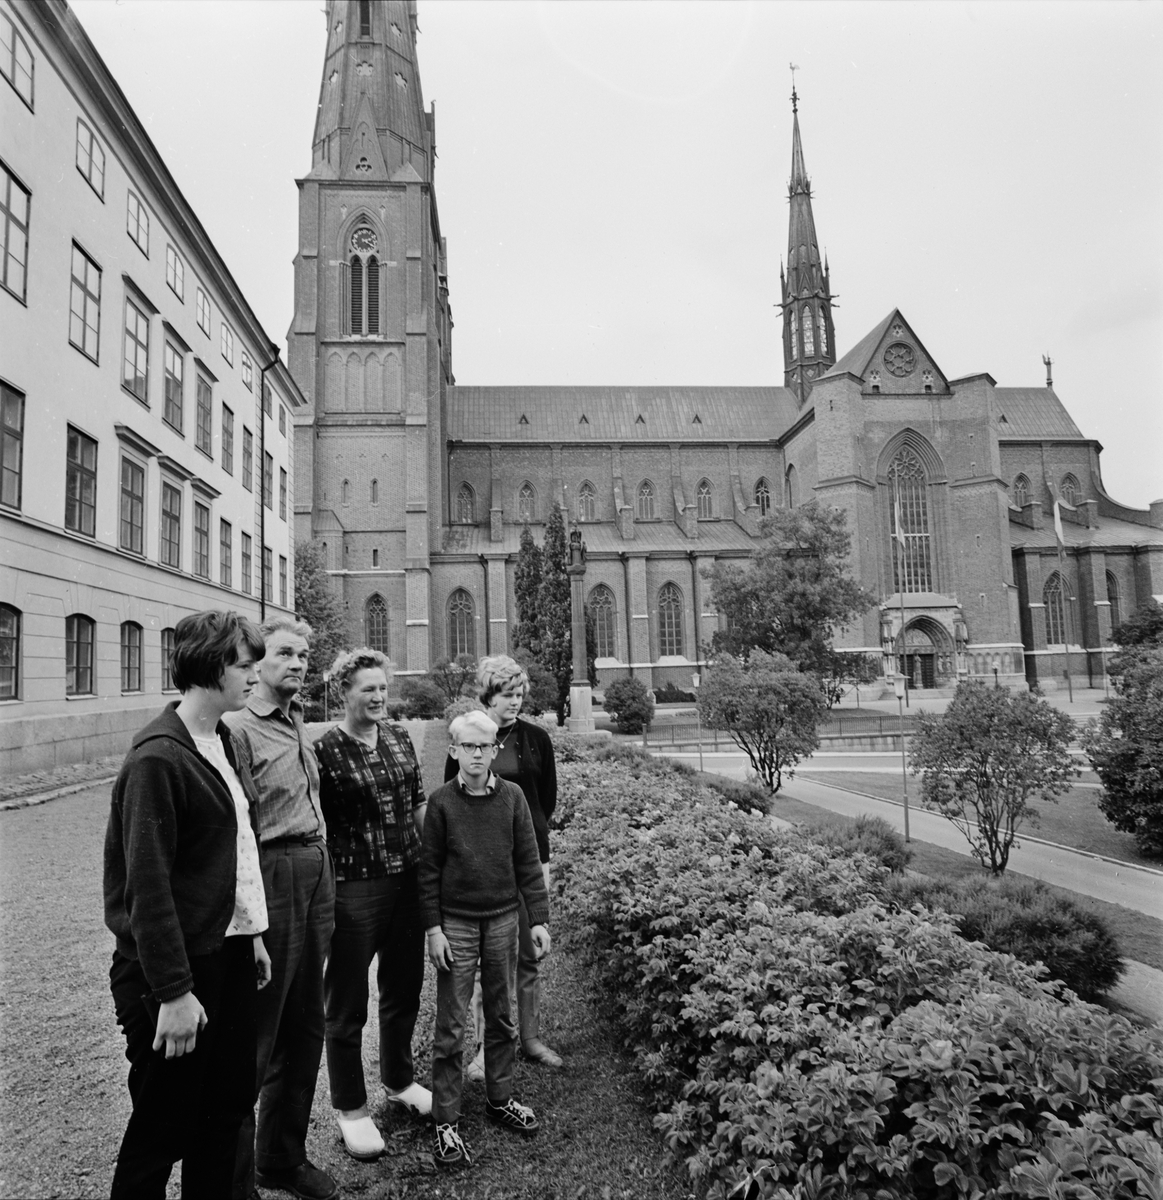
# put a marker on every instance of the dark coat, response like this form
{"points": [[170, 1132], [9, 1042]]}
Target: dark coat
{"points": [[536, 776], [171, 853]]}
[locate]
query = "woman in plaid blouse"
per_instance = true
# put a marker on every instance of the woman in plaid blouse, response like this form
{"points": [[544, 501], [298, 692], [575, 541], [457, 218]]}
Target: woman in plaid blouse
{"points": [[373, 802]]}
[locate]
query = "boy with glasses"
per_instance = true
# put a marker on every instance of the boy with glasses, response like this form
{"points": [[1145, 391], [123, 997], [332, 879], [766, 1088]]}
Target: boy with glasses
{"points": [[480, 854]]}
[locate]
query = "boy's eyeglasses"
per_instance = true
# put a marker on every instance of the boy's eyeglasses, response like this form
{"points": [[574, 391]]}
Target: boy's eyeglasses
{"points": [[476, 747]]}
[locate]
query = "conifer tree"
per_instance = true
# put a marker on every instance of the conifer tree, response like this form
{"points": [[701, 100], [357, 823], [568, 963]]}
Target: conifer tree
{"points": [[527, 583], [320, 606], [553, 609]]}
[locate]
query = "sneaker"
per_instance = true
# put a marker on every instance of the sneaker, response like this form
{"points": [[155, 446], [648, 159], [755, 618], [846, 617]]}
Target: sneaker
{"points": [[519, 1118], [451, 1151], [476, 1069]]}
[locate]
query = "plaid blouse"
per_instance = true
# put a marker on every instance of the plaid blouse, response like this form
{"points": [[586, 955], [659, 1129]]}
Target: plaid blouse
{"points": [[368, 798]]}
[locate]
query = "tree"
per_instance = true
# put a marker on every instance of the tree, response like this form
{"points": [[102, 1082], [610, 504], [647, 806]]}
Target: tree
{"points": [[628, 702], [319, 605], [454, 676], [796, 592], [1125, 748], [1144, 627], [527, 583], [985, 758], [768, 706], [553, 609]]}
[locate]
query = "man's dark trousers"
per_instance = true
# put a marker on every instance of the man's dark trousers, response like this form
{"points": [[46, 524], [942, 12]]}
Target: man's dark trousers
{"points": [[300, 886]]}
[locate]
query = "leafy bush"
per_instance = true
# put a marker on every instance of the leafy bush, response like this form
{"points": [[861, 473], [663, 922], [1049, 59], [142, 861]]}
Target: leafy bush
{"points": [[869, 835], [422, 698], [804, 1040], [462, 705], [670, 694], [749, 797], [1125, 748], [1029, 921], [629, 703]]}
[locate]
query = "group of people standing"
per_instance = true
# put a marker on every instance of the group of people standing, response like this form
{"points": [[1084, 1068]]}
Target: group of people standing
{"points": [[252, 876]]}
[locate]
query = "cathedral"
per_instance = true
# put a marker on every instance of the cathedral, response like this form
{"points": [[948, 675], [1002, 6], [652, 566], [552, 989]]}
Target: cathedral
{"points": [[978, 514]]}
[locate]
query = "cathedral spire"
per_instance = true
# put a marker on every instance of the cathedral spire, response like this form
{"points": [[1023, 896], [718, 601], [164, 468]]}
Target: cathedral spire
{"points": [[371, 125], [808, 347]]}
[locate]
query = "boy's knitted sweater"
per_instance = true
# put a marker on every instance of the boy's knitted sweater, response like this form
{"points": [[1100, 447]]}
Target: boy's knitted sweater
{"points": [[480, 852]]}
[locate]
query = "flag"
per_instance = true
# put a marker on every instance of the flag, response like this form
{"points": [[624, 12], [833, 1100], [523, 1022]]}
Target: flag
{"points": [[1058, 525], [897, 533]]}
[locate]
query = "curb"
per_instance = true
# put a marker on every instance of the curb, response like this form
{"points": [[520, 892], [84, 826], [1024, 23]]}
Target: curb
{"points": [[35, 798]]}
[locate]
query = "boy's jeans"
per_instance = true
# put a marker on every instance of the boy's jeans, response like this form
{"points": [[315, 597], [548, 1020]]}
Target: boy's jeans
{"points": [[492, 940]]}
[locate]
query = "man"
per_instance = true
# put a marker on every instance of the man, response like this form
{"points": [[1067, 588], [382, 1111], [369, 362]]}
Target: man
{"points": [[300, 890]]}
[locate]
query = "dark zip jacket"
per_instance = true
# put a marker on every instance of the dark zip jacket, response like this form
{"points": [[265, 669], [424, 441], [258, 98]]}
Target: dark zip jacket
{"points": [[536, 776], [171, 853]]}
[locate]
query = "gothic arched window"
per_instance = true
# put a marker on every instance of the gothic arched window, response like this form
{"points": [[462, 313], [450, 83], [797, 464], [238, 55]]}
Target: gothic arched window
{"points": [[763, 496], [791, 488], [461, 624], [1053, 597], [466, 505], [646, 506], [822, 329], [704, 500], [363, 282], [526, 503], [809, 345], [375, 489], [605, 616], [912, 563], [1070, 491], [669, 620], [345, 492], [1021, 491], [1112, 595], [376, 623], [795, 335], [587, 502]]}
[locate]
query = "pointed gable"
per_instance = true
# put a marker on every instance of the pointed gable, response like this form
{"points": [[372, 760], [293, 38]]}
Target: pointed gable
{"points": [[891, 358], [364, 160]]}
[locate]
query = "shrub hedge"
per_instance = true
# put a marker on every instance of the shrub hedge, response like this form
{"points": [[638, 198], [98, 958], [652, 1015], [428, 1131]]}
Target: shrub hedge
{"points": [[870, 835], [802, 1039], [1026, 919]]}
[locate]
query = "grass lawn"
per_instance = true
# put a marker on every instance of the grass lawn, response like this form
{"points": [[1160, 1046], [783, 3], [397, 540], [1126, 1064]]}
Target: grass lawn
{"points": [[1139, 936], [1074, 821]]}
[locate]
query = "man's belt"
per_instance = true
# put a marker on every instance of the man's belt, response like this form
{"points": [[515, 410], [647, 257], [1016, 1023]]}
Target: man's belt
{"points": [[296, 839]]}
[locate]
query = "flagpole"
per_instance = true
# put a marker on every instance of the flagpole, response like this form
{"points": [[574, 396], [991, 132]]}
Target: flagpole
{"points": [[1060, 538], [899, 536]]}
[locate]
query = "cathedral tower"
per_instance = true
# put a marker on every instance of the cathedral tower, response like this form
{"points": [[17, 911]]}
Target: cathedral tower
{"points": [[370, 341], [808, 336]]}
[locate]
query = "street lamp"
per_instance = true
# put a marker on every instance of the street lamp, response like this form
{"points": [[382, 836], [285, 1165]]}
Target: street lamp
{"points": [[899, 684], [996, 669], [696, 679]]}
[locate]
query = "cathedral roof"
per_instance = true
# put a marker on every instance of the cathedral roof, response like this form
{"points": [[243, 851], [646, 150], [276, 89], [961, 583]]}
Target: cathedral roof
{"points": [[619, 414], [1033, 412], [856, 360], [1108, 533], [658, 537]]}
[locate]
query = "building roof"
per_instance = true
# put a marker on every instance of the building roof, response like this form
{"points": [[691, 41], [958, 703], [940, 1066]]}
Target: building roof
{"points": [[1033, 412], [856, 360], [654, 537], [1109, 532], [619, 414]]}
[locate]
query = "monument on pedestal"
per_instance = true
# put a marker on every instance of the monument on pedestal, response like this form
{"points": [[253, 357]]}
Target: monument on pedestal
{"points": [[581, 705]]}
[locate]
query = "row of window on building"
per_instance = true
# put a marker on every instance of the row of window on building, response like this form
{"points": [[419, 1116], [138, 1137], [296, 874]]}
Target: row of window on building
{"points": [[811, 337], [461, 621], [1069, 490], [1059, 618], [646, 507], [80, 655], [80, 515]]}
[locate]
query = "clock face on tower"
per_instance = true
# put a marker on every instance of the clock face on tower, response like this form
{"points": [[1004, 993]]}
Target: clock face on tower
{"points": [[364, 240], [900, 359]]}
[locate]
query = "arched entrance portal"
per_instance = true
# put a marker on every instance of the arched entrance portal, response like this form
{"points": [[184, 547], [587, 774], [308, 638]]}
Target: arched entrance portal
{"points": [[925, 654]]}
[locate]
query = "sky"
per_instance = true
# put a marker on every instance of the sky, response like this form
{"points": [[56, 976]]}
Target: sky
{"points": [[612, 180]]}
